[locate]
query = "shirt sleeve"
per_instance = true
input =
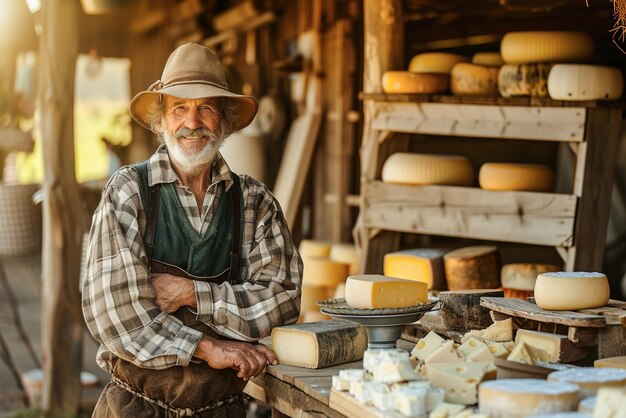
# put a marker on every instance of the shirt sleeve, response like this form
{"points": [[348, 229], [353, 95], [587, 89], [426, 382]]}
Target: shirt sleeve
{"points": [[118, 296], [270, 293]]}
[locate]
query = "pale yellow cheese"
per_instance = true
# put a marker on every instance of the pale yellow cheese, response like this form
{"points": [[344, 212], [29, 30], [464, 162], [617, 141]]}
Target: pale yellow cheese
{"points": [[323, 272], [311, 248], [566, 291], [406, 82], [498, 331], [590, 379], [610, 403], [311, 295], [470, 345], [421, 264], [447, 353], [481, 354], [345, 253], [498, 349], [493, 59], [425, 169], [435, 62], [459, 380], [427, 345], [573, 82], [373, 291], [522, 276], [614, 362], [522, 354], [551, 344], [546, 46], [472, 79], [515, 177]]}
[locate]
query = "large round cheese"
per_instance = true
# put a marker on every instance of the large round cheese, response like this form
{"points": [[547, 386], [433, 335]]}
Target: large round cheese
{"points": [[519, 398], [414, 83], [522, 276], [310, 295], [492, 59], [546, 46], [324, 272], [311, 248], [565, 291], [515, 177], [585, 82], [475, 267], [423, 169], [472, 79], [590, 379], [524, 80], [435, 62]]}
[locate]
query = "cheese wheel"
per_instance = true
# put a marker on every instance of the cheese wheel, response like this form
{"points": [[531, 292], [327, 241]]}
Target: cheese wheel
{"points": [[615, 362], [585, 82], [564, 291], [546, 46], [414, 83], [324, 272], [345, 253], [310, 295], [476, 267], [587, 405], [425, 169], [373, 291], [491, 59], [435, 62], [421, 264], [310, 248], [590, 379], [519, 398], [515, 177], [522, 276], [472, 79], [524, 80]]}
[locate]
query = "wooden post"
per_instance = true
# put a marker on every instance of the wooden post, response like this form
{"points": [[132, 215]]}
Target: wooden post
{"points": [[384, 50], [64, 221]]}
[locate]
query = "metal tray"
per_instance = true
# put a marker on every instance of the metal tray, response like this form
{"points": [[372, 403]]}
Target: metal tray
{"points": [[339, 306]]}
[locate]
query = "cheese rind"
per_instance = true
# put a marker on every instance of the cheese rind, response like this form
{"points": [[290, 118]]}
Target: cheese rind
{"points": [[421, 264], [427, 169], [406, 82], [435, 62], [524, 80], [476, 267], [515, 177], [472, 79], [564, 291], [546, 46], [373, 291], [590, 379], [573, 82]]}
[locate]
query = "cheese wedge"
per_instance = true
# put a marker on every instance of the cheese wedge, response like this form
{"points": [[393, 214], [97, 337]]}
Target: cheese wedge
{"points": [[373, 291]]}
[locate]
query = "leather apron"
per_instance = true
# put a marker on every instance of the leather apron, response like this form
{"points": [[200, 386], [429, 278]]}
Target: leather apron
{"points": [[194, 390]]}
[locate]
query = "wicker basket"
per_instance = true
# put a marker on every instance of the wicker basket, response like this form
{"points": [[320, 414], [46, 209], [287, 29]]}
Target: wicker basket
{"points": [[20, 220], [13, 139]]}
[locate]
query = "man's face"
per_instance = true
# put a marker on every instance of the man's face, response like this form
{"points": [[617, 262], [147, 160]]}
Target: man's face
{"points": [[192, 131]]}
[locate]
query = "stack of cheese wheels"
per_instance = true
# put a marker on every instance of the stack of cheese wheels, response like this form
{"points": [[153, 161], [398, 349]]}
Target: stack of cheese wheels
{"points": [[476, 267], [590, 379], [421, 264], [373, 291], [566, 291], [518, 279], [425, 169], [585, 82], [515, 177]]}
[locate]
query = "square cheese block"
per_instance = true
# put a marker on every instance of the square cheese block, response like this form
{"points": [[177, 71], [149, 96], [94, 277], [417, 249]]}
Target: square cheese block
{"points": [[421, 264], [373, 291], [427, 345], [459, 380]]}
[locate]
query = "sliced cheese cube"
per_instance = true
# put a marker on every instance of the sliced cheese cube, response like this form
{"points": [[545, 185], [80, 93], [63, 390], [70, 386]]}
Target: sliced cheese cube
{"points": [[363, 390], [343, 379], [340, 384], [459, 380], [411, 402], [422, 264], [427, 345], [382, 398], [373, 291], [498, 331]]}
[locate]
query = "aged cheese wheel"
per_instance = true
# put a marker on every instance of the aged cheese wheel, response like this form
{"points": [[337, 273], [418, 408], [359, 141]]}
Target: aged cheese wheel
{"points": [[345, 253], [585, 82], [310, 248], [324, 272], [524, 80], [374, 291], [515, 177], [414, 83], [546, 46], [519, 398], [522, 276], [476, 267], [565, 291], [472, 79], [310, 295], [491, 59], [421, 264], [615, 362], [590, 379], [435, 62], [425, 169], [461, 310]]}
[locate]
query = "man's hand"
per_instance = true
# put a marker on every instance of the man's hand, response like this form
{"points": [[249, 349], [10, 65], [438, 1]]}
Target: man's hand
{"points": [[172, 292], [248, 359]]}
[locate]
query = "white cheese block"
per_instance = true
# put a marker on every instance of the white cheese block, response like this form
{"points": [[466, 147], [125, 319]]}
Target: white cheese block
{"points": [[382, 398], [420, 264], [559, 291], [323, 272], [573, 82], [515, 177], [426, 169], [319, 344], [373, 291], [473, 79], [493, 59], [590, 379], [345, 253], [587, 405], [435, 62], [521, 80], [312, 248], [406, 82], [498, 331], [393, 372], [522, 276], [374, 357], [498, 349], [481, 354], [546, 46], [427, 345], [459, 380], [345, 376], [610, 403], [340, 384], [447, 353], [446, 410], [520, 398]]}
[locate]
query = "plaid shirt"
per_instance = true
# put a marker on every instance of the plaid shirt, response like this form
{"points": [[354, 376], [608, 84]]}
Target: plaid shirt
{"points": [[118, 297]]}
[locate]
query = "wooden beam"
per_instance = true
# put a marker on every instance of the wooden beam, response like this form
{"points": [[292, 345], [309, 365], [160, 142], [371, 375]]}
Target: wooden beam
{"points": [[253, 23]]}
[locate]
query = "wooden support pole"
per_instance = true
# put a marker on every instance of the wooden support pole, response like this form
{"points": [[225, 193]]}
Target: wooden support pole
{"points": [[64, 221]]}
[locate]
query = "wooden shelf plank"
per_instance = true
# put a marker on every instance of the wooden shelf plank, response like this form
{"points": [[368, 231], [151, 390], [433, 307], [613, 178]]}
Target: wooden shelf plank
{"points": [[525, 217]]}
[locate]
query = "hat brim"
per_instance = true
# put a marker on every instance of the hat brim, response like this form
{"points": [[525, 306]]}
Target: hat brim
{"points": [[247, 106]]}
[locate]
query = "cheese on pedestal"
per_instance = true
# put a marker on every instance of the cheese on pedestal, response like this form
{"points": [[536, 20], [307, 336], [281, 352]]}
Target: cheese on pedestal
{"points": [[421, 264], [323, 272], [447, 353], [573, 82], [610, 403], [427, 169], [476, 267], [461, 310], [345, 253], [615, 362], [520, 398], [522, 276], [492, 59], [319, 344], [472, 79], [427, 345], [459, 380], [311, 248], [435, 62], [498, 331], [515, 177], [590, 379], [524, 80], [406, 82], [546, 46], [373, 291], [565, 291], [587, 405]]}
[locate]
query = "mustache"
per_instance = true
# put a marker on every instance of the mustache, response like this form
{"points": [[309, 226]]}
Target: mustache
{"points": [[198, 132]]}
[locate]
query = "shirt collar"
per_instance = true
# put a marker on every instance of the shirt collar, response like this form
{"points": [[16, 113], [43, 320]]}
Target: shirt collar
{"points": [[161, 170]]}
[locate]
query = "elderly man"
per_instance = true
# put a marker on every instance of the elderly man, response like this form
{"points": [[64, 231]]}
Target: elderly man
{"points": [[189, 264]]}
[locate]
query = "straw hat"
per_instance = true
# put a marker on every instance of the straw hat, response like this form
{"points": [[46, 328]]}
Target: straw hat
{"points": [[192, 72]]}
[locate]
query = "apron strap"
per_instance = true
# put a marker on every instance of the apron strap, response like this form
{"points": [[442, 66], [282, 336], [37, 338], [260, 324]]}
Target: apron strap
{"points": [[235, 250]]}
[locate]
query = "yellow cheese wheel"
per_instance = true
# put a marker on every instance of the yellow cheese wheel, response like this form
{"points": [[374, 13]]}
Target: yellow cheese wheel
{"points": [[566, 291], [311, 248], [435, 62], [492, 59], [472, 79], [524, 80], [546, 46], [516, 177], [323, 272], [585, 82], [374, 291], [310, 295], [423, 169], [414, 83]]}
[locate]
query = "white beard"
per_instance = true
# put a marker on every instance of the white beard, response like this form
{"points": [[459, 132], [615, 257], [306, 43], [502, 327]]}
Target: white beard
{"points": [[192, 161]]}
